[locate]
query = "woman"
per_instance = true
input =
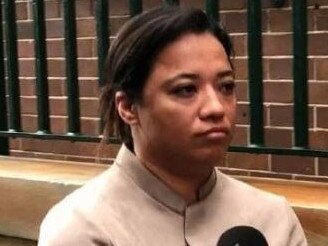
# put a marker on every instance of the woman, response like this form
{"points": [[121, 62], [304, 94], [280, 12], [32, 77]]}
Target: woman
{"points": [[170, 97]]}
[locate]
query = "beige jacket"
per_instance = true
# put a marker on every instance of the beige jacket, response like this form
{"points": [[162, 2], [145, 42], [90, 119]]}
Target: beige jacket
{"points": [[127, 205]]}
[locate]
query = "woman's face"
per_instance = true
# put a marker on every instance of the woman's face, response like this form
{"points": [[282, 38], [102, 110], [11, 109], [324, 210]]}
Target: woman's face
{"points": [[188, 107]]}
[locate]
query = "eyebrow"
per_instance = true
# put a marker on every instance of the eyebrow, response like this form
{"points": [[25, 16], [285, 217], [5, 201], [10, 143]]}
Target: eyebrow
{"points": [[194, 76]]}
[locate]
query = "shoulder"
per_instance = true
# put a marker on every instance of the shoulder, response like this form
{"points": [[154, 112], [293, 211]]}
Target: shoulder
{"points": [[72, 221], [262, 209]]}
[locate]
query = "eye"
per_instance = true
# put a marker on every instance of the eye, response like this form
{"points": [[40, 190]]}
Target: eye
{"points": [[227, 87], [184, 91]]}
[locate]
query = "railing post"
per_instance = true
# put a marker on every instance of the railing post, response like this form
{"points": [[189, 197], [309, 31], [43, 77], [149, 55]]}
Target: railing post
{"points": [[300, 73], [135, 7], [172, 2], [41, 67], [212, 9], [4, 143], [255, 72], [103, 33], [72, 84], [12, 65]]}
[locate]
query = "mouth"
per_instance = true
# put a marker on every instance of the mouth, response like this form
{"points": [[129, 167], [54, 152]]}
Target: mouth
{"points": [[216, 133]]}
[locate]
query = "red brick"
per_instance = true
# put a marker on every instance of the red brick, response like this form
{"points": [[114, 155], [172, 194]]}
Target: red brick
{"points": [[58, 124], [242, 114], [278, 137], [27, 87], [56, 68], [85, 47], [192, 3], [234, 22], [29, 123], [25, 49], [21, 11], [107, 150], [322, 117], [90, 126], [23, 154], [318, 93], [316, 44], [323, 166], [239, 44], [71, 148], [240, 136], [279, 20], [232, 5], [14, 143], [320, 3], [241, 69], [37, 145], [52, 8], [242, 91], [274, 45], [278, 92], [28, 105], [55, 28], [89, 107], [319, 139], [321, 69], [56, 87], [58, 106], [283, 115], [150, 4], [84, 8], [85, 27], [119, 7], [321, 19], [247, 161], [26, 68], [88, 67], [293, 164], [55, 48], [280, 69], [89, 88]]}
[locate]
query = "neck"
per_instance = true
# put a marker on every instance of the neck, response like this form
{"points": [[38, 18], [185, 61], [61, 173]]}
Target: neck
{"points": [[180, 177]]}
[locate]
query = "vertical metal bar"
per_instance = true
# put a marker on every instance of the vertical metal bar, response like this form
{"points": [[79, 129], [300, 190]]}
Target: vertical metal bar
{"points": [[255, 72], [73, 108], [212, 9], [135, 7], [172, 2], [300, 73], [41, 67], [102, 36], [12, 65], [4, 143]]}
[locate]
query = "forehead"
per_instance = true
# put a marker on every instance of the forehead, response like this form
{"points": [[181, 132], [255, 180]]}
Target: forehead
{"points": [[193, 49]]}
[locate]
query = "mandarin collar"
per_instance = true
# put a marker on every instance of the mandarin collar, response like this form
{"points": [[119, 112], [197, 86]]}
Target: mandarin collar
{"points": [[153, 186]]}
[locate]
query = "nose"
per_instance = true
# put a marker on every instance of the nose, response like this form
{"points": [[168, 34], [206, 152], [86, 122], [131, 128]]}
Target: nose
{"points": [[211, 106]]}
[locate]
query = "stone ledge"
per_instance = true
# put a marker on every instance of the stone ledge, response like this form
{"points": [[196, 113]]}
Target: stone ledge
{"points": [[29, 187]]}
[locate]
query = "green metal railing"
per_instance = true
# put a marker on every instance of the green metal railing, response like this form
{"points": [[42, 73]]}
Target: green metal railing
{"points": [[10, 123]]}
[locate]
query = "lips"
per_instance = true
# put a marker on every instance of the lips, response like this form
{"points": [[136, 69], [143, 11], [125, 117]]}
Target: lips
{"points": [[215, 133], [216, 130]]}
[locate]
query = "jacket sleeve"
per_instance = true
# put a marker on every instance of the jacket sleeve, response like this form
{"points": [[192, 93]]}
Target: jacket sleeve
{"points": [[66, 227]]}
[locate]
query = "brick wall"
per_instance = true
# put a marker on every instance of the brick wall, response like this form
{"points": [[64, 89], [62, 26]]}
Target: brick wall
{"points": [[277, 74]]}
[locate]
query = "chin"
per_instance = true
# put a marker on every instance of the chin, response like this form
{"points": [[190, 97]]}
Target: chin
{"points": [[212, 156]]}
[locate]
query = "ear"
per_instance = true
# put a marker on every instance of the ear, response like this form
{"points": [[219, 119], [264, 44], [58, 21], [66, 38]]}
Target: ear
{"points": [[126, 110]]}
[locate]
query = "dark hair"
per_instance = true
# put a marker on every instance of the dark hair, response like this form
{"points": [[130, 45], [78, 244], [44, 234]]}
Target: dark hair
{"points": [[133, 53]]}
